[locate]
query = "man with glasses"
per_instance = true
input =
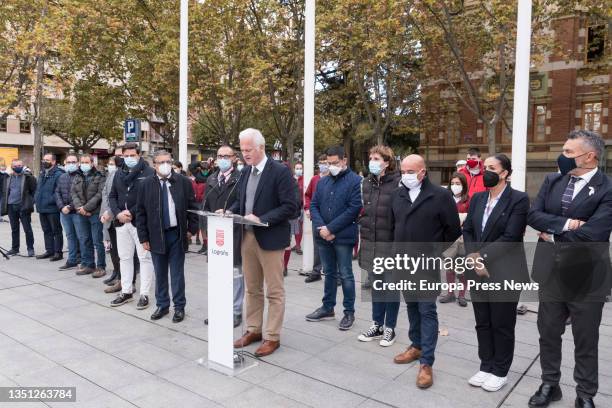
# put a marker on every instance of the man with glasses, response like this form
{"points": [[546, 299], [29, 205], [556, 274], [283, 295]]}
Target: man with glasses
{"points": [[221, 193], [165, 227], [68, 215]]}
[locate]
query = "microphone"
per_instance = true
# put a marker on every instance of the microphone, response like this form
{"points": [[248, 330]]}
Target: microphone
{"points": [[232, 190]]}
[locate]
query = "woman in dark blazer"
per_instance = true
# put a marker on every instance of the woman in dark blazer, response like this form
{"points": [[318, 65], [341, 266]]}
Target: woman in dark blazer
{"points": [[493, 233]]}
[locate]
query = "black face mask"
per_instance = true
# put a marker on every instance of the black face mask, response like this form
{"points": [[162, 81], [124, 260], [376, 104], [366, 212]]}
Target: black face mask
{"points": [[118, 162], [46, 165], [490, 178], [567, 164]]}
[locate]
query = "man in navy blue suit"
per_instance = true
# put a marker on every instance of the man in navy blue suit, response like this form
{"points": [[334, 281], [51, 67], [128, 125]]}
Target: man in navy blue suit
{"points": [[265, 194], [573, 212]]}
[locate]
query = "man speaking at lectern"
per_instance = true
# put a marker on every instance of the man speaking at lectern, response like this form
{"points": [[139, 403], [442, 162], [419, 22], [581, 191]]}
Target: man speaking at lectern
{"points": [[265, 194]]}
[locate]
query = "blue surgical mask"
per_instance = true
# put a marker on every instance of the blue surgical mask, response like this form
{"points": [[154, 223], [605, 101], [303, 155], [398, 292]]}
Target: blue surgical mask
{"points": [[85, 167], [323, 168], [131, 162], [72, 167], [375, 167], [224, 164]]}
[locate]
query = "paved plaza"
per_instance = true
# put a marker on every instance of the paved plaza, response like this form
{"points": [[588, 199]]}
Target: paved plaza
{"points": [[57, 329]]}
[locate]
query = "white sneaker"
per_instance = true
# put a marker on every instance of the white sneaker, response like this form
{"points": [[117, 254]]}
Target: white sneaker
{"points": [[494, 383], [388, 337], [479, 378]]}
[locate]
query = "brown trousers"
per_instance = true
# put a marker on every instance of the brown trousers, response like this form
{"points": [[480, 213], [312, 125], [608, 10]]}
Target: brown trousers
{"points": [[260, 266]]}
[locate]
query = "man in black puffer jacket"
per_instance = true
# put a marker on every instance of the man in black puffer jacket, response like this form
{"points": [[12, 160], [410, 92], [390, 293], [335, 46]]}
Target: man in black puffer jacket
{"points": [[123, 200]]}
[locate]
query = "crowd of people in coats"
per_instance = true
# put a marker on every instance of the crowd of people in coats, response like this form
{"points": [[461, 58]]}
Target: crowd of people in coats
{"points": [[140, 213]]}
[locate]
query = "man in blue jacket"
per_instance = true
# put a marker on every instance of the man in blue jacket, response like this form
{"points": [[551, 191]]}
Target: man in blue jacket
{"points": [[47, 208], [334, 210]]}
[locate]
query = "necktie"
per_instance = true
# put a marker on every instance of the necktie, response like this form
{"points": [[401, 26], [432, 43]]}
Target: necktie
{"points": [[221, 180], [568, 194], [255, 171], [164, 205]]}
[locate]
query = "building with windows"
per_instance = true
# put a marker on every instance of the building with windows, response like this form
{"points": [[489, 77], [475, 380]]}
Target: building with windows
{"points": [[566, 93]]}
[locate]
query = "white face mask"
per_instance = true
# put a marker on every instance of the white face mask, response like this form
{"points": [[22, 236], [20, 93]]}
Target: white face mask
{"points": [[111, 168], [474, 171], [456, 189], [335, 170], [410, 180], [164, 169]]}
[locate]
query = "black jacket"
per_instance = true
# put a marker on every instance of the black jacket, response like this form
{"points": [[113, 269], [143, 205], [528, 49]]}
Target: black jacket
{"points": [[376, 229], [425, 228], [501, 243], [577, 265], [274, 204], [124, 193], [224, 197], [87, 196], [148, 220], [28, 189]]}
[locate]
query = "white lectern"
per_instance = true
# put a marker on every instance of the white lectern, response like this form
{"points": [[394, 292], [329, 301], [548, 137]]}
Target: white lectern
{"points": [[221, 354]]}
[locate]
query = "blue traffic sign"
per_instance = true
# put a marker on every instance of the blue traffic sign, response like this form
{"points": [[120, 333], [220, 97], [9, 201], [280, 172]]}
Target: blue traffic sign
{"points": [[131, 130]]}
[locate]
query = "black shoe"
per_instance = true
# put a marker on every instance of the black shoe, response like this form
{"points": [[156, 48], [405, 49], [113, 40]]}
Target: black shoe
{"points": [[237, 320], [45, 255], [159, 313], [347, 321], [545, 395], [584, 402], [320, 314], [122, 299], [57, 257], [12, 252], [68, 265], [143, 302], [206, 321], [178, 317], [448, 298], [313, 277], [299, 251], [111, 280], [285, 272], [461, 301], [202, 250]]}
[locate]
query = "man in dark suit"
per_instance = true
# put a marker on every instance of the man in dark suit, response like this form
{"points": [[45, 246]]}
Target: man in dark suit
{"points": [[221, 193], [165, 227], [573, 212], [424, 217], [265, 194]]}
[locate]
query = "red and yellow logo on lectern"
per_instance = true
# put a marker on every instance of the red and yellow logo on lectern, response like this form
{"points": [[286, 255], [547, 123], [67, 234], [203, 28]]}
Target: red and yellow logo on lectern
{"points": [[220, 238]]}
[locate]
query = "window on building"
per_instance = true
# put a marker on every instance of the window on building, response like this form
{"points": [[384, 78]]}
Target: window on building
{"points": [[3, 125], [539, 123], [591, 116], [507, 126], [596, 42], [24, 127], [453, 130]]}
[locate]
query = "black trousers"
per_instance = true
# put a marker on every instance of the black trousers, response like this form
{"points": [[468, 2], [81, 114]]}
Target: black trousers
{"points": [[16, 215], [585, 318], [495, 323], [52, 231]]}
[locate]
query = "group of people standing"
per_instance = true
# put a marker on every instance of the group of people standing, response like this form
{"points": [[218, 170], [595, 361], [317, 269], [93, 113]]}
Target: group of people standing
{"points": [[142, 214]]}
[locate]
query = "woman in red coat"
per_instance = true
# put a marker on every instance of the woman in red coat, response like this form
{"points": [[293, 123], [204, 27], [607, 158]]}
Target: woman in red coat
{"points": [[459, 187]]}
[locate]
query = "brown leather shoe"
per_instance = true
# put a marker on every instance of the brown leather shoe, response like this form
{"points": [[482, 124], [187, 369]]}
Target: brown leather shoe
{"points": [[424, 377], [268, 347], [247, 339], [411, 354], [98, 273], [112, 289]]}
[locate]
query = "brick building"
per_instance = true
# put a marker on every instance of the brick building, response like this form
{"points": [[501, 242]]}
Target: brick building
{"points": [[566, 93]]}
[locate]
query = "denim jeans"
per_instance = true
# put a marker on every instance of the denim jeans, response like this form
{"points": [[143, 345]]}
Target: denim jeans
{"points": [[423, 331], [52, 232], [238, 290], [173, 259], [385, 313], [25, 217], [89, 232], [69, 223], [337, 259]]}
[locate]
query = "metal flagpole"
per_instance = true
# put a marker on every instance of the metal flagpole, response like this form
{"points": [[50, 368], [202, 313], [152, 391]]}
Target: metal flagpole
{"points": [[521, 95], [309, 88], [183, 82]]}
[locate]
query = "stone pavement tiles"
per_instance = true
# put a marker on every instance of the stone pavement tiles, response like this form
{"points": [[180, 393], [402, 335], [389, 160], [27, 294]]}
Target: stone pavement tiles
{"points": [[57, 329]]}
